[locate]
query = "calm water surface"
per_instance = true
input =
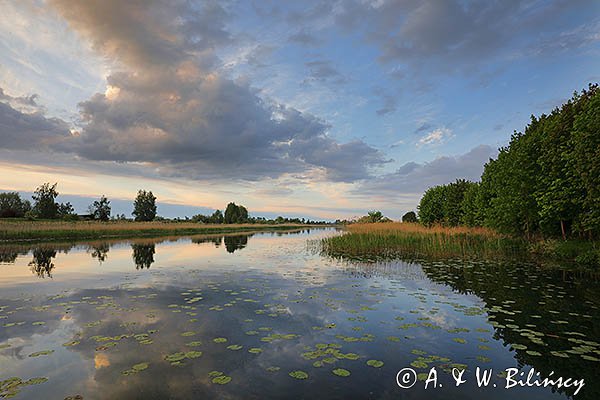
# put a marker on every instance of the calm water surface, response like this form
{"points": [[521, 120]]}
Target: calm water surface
{"points": [[232, 317]]}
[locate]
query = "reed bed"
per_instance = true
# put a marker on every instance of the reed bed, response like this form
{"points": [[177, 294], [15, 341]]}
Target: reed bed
{"points": [[404, 240], [21, 230]]}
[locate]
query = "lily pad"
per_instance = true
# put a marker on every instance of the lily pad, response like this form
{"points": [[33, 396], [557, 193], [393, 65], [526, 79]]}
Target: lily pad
{"points": [[299, 374], [375, 363], [341, 372]]}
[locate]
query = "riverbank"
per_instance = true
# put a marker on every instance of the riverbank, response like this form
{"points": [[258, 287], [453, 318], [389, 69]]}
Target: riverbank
{"points": [[411, 241], [25, 230]]}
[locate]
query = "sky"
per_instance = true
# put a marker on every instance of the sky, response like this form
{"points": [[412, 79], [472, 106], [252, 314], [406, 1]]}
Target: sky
{"points": [[321, 108]]}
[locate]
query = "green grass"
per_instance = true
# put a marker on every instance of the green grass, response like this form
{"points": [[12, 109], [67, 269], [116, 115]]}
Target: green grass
{"points": [[422, 245], [412, 241], [24, 230]]}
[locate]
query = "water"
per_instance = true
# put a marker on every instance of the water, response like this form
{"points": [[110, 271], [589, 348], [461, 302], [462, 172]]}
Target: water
{"points": [[232, 317]]}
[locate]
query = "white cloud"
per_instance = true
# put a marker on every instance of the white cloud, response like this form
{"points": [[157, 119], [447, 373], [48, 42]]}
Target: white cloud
{"points": [[435, 137]]}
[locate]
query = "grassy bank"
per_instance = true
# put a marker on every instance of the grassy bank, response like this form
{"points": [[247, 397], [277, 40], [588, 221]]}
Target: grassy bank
{"points": [[409, 241], [24, 230], [384, 240]]}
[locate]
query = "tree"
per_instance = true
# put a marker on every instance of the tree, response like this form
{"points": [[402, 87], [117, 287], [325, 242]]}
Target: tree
{"points": [[216, 217], [585, 160], [44, 201], [100, 209], [431, 206], [12, 206], [471, 206], [144, 206], [235, 214], [410, 217], [65, 210]]}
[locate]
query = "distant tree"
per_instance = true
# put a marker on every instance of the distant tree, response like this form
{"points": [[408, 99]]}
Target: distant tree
{"points": [[242, 215], [144, 206], [100, 209], [375, 216], [235, 214], [217, 217], [410, 217], [12, 206], [66, 211], [44, 198]]}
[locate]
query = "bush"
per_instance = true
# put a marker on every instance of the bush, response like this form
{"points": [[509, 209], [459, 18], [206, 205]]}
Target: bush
{"points": [[589, 259]]}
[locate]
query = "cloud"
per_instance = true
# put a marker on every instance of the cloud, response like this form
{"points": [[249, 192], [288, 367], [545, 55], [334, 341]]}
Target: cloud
{"points": [[168, 106], [457, 36], [20, 130], [416, 177], [435, 137], [324, 71], [389, 100], [303, 38]]}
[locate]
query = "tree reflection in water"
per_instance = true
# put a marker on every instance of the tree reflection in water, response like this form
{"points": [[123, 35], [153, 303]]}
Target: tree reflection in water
{"points": [[143, 255], [233, 243], [42, 264], [100, 252]]}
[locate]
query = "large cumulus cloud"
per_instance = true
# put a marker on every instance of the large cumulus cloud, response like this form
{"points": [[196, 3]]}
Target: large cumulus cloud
{"points": [[416, 178], [23, 124], [167, 104]]}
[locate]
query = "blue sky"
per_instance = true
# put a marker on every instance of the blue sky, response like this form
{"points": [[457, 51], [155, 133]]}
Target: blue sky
{"points": [[323, 109]]}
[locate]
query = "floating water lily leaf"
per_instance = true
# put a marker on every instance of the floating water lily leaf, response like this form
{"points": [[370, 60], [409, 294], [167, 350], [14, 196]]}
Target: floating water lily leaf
{"points": [[41, 353], [220, 340], [299, 374], [193, 354], [175, 357], [255, 350], [375, 363], [234, 347], [341, 372], [140, 366], [221, 380]]}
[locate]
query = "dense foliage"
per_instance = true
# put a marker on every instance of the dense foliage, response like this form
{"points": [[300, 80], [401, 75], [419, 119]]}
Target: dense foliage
{"points": [[12, 206], [545, 182], [410, 217], [144, 206], [100, 209], [235, 214]]}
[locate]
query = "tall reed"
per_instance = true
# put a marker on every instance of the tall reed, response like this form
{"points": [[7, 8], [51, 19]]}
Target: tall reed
{"points": [[384, 240]]}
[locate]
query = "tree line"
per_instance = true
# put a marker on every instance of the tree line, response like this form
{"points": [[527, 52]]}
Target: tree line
{"points": [[545, 182], [45, 206]]}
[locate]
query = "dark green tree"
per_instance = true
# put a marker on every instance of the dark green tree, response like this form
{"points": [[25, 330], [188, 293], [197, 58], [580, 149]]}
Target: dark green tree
{"points": [[144, 206], [65, 210], [585, 160], [235, 214], [44, 198], [410, 217], [12, 206], [216, 217], [431, 206], [100, 209]]}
